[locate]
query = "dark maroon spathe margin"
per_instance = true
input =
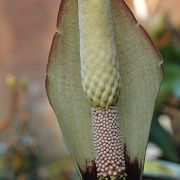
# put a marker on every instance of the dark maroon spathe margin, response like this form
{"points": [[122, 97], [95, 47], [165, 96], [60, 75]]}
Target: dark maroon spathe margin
{"points": [[133, 167], [90, 171]]}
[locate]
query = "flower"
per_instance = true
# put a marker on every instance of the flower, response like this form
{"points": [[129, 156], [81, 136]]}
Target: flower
{"points": [[103, 76]]}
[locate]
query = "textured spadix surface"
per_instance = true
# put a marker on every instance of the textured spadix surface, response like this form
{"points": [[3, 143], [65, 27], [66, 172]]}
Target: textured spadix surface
{"points": [[99, 59], [140, 71]]}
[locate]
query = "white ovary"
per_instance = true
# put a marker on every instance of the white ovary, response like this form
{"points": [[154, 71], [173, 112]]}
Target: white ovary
{"points": [[108, 144], [99, 61]]}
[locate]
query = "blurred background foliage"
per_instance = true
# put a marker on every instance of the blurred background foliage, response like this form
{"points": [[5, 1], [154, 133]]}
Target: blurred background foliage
{"points": [[31, 145]]}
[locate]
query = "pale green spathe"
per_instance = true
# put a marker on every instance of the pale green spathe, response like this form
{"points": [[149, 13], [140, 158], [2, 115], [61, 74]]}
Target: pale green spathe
{"points": [[141, 74], [65, 90], [140, 71]]}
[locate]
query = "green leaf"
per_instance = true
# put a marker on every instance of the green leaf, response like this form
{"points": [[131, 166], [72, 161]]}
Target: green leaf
{"points": [[163, 140], [162, 170]]}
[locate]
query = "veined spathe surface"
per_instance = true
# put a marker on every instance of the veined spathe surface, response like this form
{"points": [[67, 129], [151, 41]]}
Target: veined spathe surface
{"points": [[141, 74]]}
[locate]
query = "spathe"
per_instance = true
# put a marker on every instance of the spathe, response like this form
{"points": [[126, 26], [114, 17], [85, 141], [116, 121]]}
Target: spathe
{"points": [[141, 74]]}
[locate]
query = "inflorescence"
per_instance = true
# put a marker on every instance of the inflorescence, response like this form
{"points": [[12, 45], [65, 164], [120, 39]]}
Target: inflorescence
{"points": [[110, 161]]}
